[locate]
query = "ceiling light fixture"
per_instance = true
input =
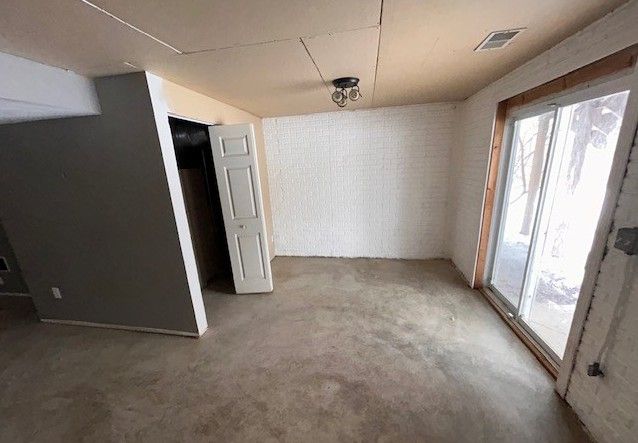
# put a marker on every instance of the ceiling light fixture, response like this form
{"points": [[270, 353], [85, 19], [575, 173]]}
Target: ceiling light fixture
{"points": [[341, 94]]}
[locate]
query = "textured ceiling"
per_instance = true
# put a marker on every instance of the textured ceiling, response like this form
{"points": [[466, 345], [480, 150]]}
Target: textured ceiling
{"points": [[271, 57]]}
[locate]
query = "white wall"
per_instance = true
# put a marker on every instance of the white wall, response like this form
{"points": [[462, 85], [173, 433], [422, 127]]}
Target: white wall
{"points": [[33, 91], [370, 183], [612, 33], [609, 405]]}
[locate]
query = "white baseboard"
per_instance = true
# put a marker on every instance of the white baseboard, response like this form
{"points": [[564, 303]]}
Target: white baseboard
{"points": [[16, 294], [120, 327]]}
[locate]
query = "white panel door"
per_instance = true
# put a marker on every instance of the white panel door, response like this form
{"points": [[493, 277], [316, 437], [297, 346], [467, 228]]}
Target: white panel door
{"points": [[242, 206]]}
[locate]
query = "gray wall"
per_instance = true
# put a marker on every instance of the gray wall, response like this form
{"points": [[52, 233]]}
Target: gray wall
{"points": [[12, 281], [87, 208]]}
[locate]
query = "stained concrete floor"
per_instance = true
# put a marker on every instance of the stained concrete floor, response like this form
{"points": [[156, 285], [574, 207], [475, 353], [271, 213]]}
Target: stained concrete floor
{"points": [[342, 350]]}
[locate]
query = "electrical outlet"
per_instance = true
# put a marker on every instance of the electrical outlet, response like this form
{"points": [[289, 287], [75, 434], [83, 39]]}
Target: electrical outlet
{"points": [[56, 292]]}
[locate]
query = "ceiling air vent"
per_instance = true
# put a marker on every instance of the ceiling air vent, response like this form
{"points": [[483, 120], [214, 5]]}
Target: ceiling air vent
{"points": [[498, 39]]}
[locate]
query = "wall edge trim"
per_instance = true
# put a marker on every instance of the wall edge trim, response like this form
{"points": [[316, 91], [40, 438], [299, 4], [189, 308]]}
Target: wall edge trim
{"points": [[120, 327]]}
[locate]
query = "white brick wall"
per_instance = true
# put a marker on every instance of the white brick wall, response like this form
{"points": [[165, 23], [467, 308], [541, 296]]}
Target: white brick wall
{"points": [[370, 183], [609, 405]]}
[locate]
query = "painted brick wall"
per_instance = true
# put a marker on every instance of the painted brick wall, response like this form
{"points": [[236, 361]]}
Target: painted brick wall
{"points": [[609, 405], [370, 183], [606, 36]]}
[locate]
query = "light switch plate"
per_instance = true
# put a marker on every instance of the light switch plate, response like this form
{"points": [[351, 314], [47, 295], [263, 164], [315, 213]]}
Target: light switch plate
{"points": [[56, 292]]}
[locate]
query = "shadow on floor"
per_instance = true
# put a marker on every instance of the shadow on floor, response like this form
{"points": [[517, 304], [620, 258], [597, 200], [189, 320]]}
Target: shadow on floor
{"points": [[16, 309]]}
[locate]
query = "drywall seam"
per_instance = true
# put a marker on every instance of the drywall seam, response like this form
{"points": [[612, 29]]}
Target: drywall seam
{"points": [[376, 65], [133, 27], [323, 80]]}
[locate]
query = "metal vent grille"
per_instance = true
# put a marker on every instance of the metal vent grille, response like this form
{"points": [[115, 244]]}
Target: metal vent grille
{"points": [[498, 39]]}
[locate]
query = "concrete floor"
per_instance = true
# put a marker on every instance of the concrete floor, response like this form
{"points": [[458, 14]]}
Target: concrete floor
{"points": [[343, 350]]}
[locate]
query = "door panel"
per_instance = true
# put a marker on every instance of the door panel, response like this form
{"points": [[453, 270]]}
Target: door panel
{"points": [[235, 160], [250, 256], [241, 193], [585, 144], [233, 146], [530, 143]]}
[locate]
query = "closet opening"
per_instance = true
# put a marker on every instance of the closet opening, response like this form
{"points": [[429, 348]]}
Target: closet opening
{"points": [[203, 206]]}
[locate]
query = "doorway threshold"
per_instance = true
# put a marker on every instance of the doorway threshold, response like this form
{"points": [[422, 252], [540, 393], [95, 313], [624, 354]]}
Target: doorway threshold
{"points": [[541, 355]]}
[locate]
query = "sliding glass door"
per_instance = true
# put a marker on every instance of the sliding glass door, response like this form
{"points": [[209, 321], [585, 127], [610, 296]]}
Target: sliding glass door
{"points": [[529, 147], [556, 170]]}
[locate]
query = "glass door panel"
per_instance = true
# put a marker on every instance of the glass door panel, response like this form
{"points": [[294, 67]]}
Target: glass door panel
{"points": [[530, 144], [586, 137]]}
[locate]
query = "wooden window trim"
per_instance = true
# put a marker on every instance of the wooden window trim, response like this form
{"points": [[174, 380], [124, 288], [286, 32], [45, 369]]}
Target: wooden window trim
{"points": [[490, 192]]}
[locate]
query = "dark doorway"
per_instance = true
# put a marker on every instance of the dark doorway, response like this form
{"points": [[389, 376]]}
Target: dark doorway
{"points": [[201, 197]]}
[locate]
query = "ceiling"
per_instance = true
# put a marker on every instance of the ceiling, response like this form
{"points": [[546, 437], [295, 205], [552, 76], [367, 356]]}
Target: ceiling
{"points": [[277, 57]]}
